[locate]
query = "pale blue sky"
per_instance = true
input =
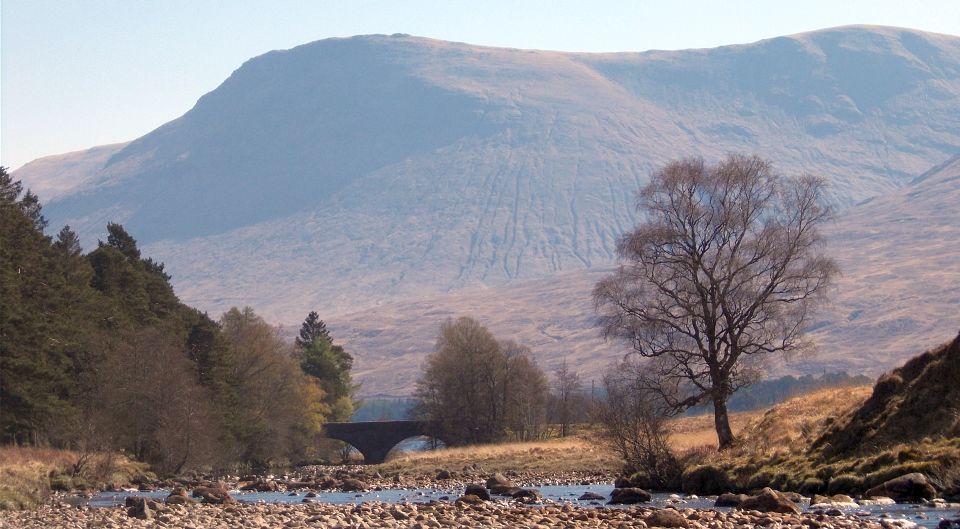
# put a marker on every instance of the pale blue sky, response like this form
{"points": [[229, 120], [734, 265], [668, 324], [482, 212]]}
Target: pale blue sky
{"points": [[75, 74]]}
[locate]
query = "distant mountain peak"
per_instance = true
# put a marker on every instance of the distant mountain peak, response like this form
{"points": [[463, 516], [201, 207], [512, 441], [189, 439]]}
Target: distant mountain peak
{"points": [[357, 172]]}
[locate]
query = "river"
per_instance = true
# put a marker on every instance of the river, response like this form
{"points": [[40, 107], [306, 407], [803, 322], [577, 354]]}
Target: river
{"points": [[926, 517]]}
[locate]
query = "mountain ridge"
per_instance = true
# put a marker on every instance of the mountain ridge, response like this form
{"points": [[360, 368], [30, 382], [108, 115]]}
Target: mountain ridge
{"points": [[349, 174]]}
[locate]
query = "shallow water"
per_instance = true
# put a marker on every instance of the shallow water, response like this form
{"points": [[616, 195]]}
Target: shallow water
{"points": [[926, 517]]}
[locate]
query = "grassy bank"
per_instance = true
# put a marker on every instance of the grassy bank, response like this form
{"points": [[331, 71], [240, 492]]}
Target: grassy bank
{"points": [[764, 433], [29, 475], [577, 453], [774, 450]]}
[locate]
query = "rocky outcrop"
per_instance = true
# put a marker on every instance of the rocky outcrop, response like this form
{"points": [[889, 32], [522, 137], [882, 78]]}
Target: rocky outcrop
{"points": [[728, 499], [141, 508], [591, 496], [666, 518], [353, 485], [501, 485], [214, 495], [478, 491], [770, 500], [528, 496], [908, 488], [628, 496], [917, 400]]}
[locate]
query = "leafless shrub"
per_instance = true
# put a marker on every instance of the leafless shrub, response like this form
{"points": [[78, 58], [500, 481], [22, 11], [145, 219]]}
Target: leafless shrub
{"points": [[633, 424]]}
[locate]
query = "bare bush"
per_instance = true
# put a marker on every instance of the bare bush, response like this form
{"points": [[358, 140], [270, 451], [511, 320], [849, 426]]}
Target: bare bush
{"points": [[633, 423]]}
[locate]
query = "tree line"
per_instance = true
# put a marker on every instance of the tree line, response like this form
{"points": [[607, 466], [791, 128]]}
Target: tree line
{"points": [[477, 389], [97, 353]]}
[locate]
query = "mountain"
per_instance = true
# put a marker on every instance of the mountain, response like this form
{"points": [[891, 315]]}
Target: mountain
{"points": [[899, 292], [378, 174]]}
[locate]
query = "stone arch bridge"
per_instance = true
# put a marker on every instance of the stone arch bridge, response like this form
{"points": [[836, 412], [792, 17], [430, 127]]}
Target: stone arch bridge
{"points": [[375, 439]]}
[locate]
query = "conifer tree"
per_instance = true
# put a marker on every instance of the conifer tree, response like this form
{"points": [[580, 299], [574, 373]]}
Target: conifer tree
{"points": [[68, 242], [121, 240], [313, 328]]}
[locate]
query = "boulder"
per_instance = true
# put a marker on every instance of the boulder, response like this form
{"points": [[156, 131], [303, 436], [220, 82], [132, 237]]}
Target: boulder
{"points": [[837, 500], [213, 495], [528, 495], [730, 500], [178, 496], [908, 488], [666, 518], [179, 500], [478, 491], [628, 496], [139, 508], [770, 500], [591, 496], [470, 498], [353, 485], [444, 474], [795, 497], [501, 485], [877, 500], [260, 486], [499, 480]]}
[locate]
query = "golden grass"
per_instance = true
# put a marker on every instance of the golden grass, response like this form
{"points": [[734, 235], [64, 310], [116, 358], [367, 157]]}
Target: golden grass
{"points": [[24, 472], [27, 473], [695, 432], [773, 449], [579, 453], [780, 428]]}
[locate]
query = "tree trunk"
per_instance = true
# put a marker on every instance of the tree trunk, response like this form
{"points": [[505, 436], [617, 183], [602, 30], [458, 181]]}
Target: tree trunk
{"points": [[722, 422]]}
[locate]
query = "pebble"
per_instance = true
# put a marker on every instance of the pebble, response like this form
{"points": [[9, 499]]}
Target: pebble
{"points": [[438, 515]]}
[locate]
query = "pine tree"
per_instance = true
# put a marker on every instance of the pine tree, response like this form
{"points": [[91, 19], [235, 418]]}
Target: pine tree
{"points": [[68, 242], [10, 189], [330, 364], [313, 328], [121, 240], [30, 204]]}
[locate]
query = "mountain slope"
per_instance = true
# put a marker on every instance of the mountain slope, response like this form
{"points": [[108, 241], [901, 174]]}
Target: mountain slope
{"points": [[898, 292], [350, 174]]}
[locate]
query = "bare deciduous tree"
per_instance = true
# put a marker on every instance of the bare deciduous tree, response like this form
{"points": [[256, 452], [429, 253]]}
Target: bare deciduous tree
{"points": [[633, 423], [567, 399], [525, 395], [724, 268]]}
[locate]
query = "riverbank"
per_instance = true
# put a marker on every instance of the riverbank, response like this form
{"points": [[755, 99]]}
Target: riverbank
{"points": [[29, 475], [421, 516], [576, 457]]}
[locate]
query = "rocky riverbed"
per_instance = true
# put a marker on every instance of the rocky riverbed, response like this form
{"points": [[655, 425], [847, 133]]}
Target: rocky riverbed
{"points": [[420, 516]]}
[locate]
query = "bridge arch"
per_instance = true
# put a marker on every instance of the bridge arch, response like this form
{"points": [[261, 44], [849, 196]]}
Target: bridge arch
{"points": [[375, 439]]}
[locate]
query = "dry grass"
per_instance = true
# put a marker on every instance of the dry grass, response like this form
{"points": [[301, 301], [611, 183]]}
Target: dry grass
{"points": [[687, 433], [579, 453], [24, 475], [774, 449], [783, 427], [27, 475], [779, 428]]}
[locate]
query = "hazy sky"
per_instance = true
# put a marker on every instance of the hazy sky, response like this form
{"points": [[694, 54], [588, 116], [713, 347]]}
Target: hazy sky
{"points": [[80, 73]]}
